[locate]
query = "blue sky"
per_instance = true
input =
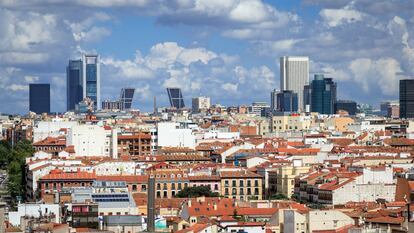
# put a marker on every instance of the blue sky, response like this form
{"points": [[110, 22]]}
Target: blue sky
{"points": [[228, 50]]}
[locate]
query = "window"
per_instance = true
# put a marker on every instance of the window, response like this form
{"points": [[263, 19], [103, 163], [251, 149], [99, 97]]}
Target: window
{"points": [[226, 191], [173, 186], [241, 191], [234, 191], [256, 183], [134, 187], [179, 186], [226, 183], [158, 194], [158, 186], [216, 187], [256, 191], [165, 194], [165, 186], [241, 183], [143, 187], [234, 183], [249, 183]]}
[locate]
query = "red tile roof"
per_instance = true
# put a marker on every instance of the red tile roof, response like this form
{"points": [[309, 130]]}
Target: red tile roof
{"points": [[57, 174]]}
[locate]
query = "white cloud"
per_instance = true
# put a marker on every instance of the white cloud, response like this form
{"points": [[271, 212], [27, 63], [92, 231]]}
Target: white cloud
{"points": [[338, 17], [31, 79], [383, 73], [18, 87], [230, 87]]}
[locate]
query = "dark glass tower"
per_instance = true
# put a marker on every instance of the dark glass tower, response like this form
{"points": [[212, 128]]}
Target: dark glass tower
{"points": [[407, 98], [287, 101], [74, 84], [127, 95], [39, 95], [323, 95], [346, 105], [176, 97], [91, 79]]}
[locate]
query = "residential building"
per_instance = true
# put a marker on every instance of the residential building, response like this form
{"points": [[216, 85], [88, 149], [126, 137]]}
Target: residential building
{"points": [[294, 75], [39, 95], [134, 144], [173, 134], [285, 180], [200, 104], [241, 185], [92, 140]]}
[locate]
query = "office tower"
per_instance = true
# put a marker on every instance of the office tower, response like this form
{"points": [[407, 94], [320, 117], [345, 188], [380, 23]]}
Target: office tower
{"points": [[273, 100], [74, 84], [176, 97], [287, 101], [39, 95], [200, 104], [323, 95], [294, 75], [91, 79], [407, 98], [307, 98], [346, 105], [127, 95]]}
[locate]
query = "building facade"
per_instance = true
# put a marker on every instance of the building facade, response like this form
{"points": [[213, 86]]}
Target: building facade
{"points": [[294, 75], [287, 101], [74, 83], [39, 98], [176, 98], [323, 95], [91, 79], [407, 98], [201, 103]]}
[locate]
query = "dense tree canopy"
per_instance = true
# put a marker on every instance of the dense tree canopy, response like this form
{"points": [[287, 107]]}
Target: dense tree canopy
{"points": [[197, 191], [13, 159]]}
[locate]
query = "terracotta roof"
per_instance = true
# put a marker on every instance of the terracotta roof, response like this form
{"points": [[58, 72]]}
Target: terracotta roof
{"points": [[194, 228], [126, 178], [386, 220], [51, 141], [57, 174]]}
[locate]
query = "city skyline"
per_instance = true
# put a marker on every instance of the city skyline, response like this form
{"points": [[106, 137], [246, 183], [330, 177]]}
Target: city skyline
{"points": [[227, 56]]}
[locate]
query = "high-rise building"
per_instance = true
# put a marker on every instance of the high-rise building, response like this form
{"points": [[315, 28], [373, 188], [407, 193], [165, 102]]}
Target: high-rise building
{"points": [[273, 100], [294, 75], [323, 95], [407, 98], [259, 108], [91, 79], [200, 103], [346, 105], [39, 95], [389, 109], [176, 98], [127, 95], [287, 101], [74, 84]]}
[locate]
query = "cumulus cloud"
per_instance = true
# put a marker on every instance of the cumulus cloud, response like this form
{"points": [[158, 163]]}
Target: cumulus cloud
{"points": [[337, 17]]}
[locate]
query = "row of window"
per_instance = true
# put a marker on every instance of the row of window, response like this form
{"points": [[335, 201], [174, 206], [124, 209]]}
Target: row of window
{"points": [[241, 183], [241, 191]]}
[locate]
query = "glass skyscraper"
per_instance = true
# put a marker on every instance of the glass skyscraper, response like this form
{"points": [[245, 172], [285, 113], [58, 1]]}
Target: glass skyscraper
{"points": [[287, 101], [323, 95], [74, 84], [176, 97], [127, 95], [92, 79], [407, 98], [83, 81], [39, 98]]}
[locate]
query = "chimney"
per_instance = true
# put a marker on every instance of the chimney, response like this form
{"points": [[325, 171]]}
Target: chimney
{"points": [[189, 202], [215, 206]]}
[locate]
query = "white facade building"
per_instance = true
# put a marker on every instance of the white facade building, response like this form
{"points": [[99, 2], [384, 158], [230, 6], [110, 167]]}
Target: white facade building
{"points": [[44, 129], [294, 75], [92, 140], [34, 210], [174, 134]]}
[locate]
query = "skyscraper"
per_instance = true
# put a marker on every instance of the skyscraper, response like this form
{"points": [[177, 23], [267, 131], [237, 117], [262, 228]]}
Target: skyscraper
{"points": [[323, 95], [407, 98], [176, 97], [127, 95], [91, 79], [74, 84], [287, 101], [346, 105], [273, 100], [294, 75], [39, 95]]}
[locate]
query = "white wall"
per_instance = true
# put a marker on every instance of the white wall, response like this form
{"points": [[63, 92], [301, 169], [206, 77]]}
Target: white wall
{"points": [[44, 129], [34, 210], [171, 135], [88, 140], [327, 220]]}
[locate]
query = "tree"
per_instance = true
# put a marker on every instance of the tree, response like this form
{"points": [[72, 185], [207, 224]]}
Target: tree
{"points": [[5, 153], [196, 191], [279, 196], [16, 160]]}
